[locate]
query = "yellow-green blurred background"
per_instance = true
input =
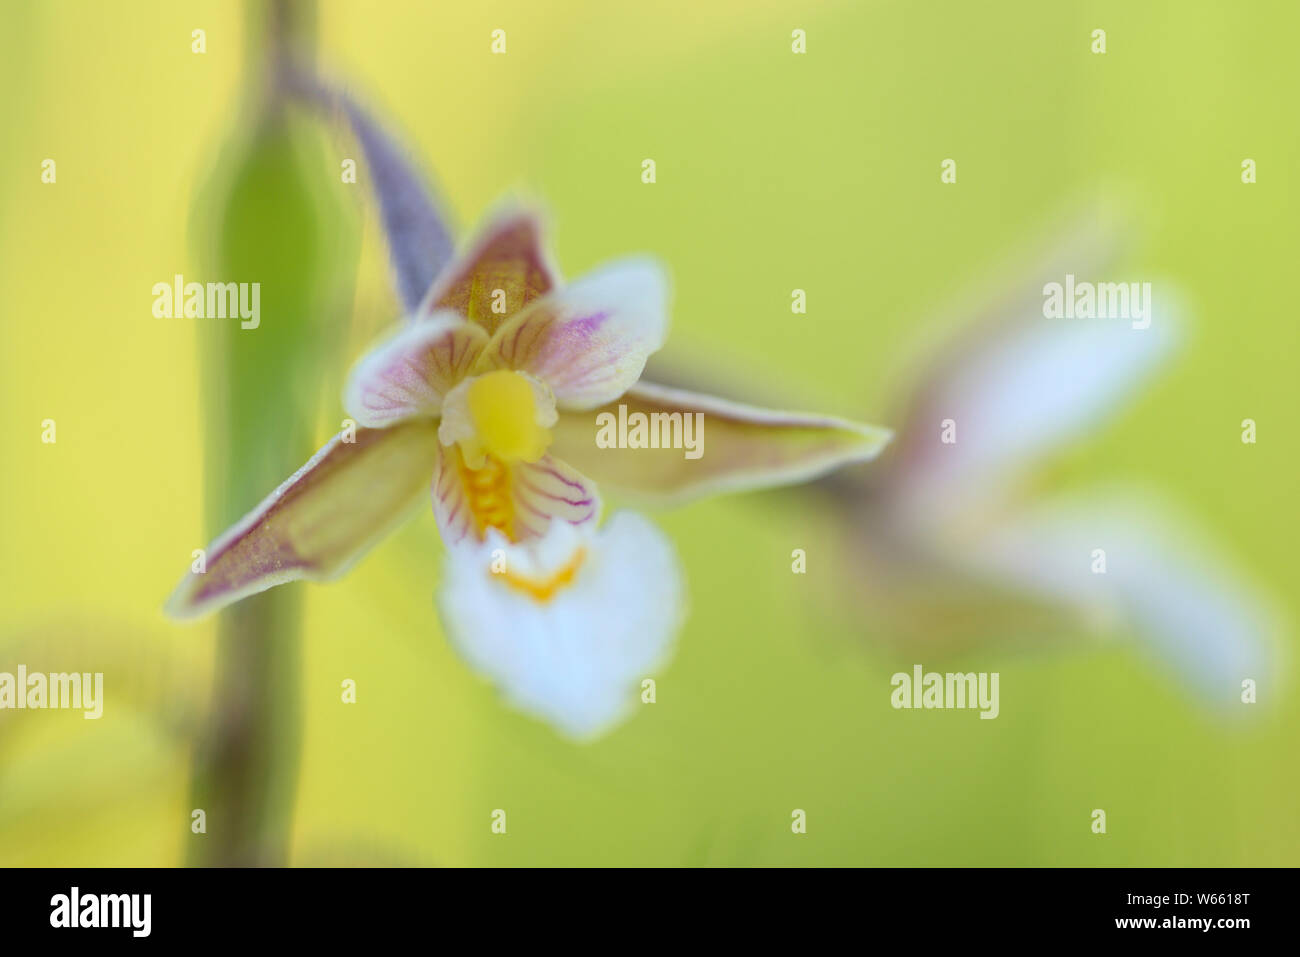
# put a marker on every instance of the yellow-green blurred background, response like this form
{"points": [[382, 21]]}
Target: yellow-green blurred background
{"points": [[775, 172]]}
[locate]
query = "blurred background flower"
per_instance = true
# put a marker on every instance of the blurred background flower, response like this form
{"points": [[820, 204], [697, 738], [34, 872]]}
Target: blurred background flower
{"points": [[776, 172]]}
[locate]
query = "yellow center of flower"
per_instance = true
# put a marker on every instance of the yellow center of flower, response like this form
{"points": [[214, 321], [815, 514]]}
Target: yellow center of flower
{"points": [[503, 408]]}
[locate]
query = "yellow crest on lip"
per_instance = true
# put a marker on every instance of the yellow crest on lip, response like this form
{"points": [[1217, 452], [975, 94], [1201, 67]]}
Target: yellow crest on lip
{"points": [[542, 590]]}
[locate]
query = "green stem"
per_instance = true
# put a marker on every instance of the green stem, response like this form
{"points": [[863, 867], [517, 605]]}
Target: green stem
{"points": [[246, 760]]}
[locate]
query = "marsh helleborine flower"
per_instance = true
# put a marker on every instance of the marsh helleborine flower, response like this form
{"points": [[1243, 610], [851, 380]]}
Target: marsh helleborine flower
{"points": [[958, 543], [490, 395]]}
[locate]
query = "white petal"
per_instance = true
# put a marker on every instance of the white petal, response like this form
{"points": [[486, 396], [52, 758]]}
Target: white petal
{"points": [[1021, 396], [590, 340], [1162, 584], [408, 374], [577, 659], [1017, 386]]}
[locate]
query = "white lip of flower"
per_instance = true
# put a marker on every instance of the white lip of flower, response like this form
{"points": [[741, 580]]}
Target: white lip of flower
{"points": [[493, 391], [567, 625]]}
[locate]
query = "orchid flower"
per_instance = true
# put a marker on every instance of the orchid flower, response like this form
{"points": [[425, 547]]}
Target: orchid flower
{"points": [[952, 538], [501, 367]]}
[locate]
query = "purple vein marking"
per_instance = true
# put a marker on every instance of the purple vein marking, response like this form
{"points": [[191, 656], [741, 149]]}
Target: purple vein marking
{"points": [[569, 482], [579, 503]]}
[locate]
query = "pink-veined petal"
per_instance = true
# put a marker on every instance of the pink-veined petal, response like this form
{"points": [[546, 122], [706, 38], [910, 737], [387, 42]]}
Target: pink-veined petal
{"points": [[316, 524], [734, 446], [590, 340], [547, 489], [408, 374], [451, 503], [519, 500], [504, 269]]}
